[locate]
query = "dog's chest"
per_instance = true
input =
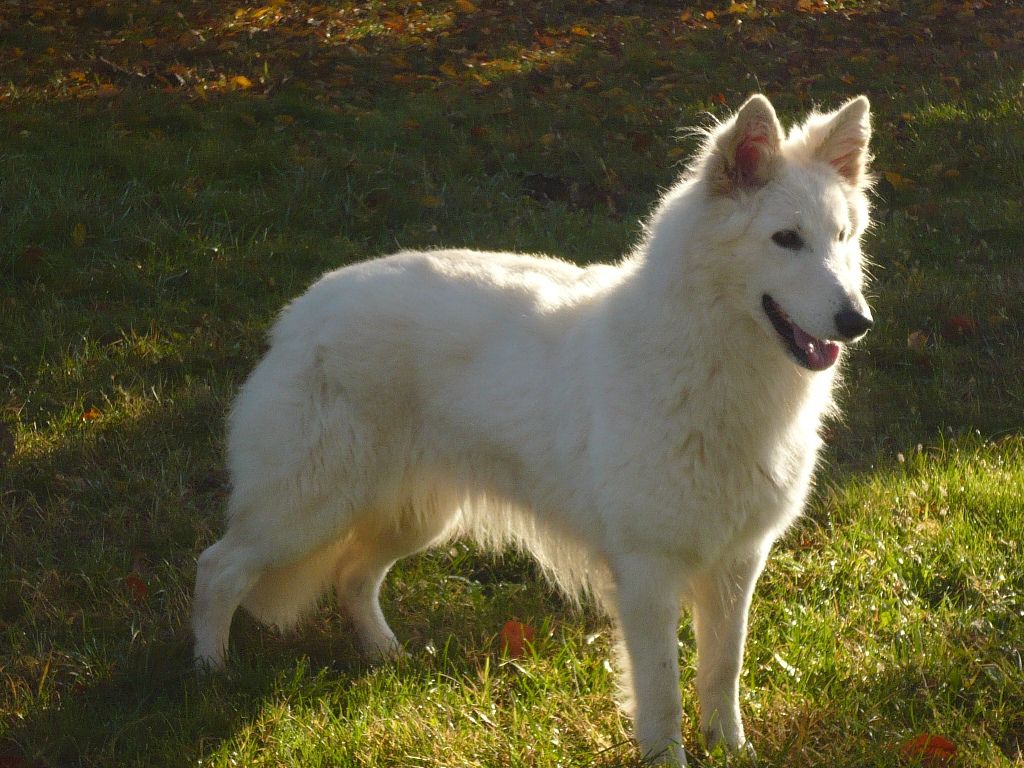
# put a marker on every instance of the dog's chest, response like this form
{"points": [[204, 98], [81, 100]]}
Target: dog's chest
{"points": [[703, 487]]}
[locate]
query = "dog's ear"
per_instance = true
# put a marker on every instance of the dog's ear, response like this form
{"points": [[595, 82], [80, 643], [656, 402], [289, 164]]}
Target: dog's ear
{"points": [[743, 152], [841, 139]]}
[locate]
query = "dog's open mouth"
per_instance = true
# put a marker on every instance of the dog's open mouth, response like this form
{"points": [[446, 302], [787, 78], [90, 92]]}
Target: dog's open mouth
{"points": [[812, 353]]}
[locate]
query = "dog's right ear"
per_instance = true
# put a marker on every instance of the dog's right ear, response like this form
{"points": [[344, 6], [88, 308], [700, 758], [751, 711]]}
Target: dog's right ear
{"points": [[743, 152]]}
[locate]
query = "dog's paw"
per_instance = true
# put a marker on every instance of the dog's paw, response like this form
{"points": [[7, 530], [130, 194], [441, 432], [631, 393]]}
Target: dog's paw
{"points": [[718, 744], [673, 756], [383, 649], [207, 663], [719, 736]]}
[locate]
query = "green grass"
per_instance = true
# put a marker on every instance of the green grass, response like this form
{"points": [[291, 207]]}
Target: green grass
{"points": [[149, 234]]}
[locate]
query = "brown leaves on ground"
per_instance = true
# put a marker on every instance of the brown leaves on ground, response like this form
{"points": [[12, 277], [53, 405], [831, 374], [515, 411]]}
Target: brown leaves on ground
{"points": [[928, 750], [515, 637], [100, 48]]}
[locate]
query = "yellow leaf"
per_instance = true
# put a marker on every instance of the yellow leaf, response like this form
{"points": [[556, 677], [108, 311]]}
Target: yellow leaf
{"points": [[737, 9], [241, 81], [580, 31], [431, 201], [899, 182], [464, 6], [78, 235], [77, 76], [449, 70], [548, 139], [709, 15]]}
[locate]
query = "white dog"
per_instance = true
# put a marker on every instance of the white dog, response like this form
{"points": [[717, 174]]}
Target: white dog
{"points": [[646, 429]]}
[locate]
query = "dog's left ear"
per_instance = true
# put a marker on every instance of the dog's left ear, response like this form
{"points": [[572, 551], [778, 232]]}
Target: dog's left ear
{"points": [[841, 139], [743, 153]]}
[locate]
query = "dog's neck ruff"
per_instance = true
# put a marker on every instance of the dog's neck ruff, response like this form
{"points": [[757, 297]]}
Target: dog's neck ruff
{"points": [[811, 352]]}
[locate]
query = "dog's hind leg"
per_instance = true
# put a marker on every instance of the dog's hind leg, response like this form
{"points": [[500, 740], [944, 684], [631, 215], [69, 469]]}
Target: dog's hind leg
{"points": [[226, 571], [365, 560]]}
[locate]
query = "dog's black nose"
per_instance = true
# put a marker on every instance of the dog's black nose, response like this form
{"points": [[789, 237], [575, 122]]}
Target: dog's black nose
{"points": [[851, 324]]}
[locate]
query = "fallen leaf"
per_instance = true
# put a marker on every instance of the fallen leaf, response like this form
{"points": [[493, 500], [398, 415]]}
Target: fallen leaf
{"points": [[959, 327], [464, 6], [431, 201], [515, 636], [136, 586], [241, 81], [91, 415], [916, 341], [898, 181], [78, 235], [928, 750]]}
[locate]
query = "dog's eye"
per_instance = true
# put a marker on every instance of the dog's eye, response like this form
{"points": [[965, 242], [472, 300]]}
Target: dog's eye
{"points": [[788, 239]]}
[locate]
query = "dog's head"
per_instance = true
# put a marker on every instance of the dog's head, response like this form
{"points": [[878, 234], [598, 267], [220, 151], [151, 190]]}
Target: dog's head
{"points": [[798, 207]]}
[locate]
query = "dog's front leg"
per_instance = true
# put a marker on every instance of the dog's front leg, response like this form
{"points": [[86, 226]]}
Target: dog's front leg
{"points": [[647, 607], [721, 602]]}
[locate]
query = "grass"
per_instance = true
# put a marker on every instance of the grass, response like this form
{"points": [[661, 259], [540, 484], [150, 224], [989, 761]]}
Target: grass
{"points": [[151, 228]]}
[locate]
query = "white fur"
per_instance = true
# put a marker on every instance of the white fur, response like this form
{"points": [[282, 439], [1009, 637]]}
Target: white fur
{"points": [[639, 427]]}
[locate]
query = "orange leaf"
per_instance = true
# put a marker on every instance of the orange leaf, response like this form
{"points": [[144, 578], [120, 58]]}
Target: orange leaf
{"points": [[91, 415], [449, 70], [916, 341], [241, 81], [959, 327], [136, 586], [928, 750], [514, 638], [899, 182], [464, 6]]}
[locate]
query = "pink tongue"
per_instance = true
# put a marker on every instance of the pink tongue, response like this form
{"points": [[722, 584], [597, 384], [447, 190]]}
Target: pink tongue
{"points": [[821, 354]]}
